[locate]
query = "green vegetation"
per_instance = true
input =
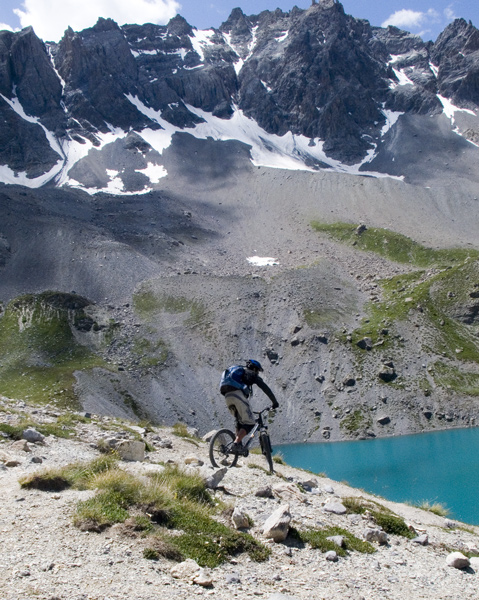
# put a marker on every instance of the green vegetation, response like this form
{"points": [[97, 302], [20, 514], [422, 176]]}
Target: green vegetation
{"points": [[355, 421], [438, 296], [393, 246], [38, 351], [150, 353], [152, 507], [384, 517], [147, 304], [317, 538], [76, 475], [457, 380], [63, 426], [437, 508]]}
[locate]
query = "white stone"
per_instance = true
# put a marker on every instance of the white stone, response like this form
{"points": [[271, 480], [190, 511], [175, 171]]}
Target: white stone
{"points": [[239, 519], [186, 570], [276, 526], [335, 507], [457, 560]]}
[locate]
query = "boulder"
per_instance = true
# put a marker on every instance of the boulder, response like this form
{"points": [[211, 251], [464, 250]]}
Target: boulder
{"points": [[376, 535], [193, 461], [331, 556], [20, 446], [212, 480], [422, 540], [264, 492], [365, 344], [335, 507], [458, 560], [276, 526], [32, 435], [240, 519], [186, 570], [132, 450]]}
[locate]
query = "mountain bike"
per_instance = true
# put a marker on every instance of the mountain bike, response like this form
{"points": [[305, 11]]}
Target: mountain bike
{"points": [[223, 455]]}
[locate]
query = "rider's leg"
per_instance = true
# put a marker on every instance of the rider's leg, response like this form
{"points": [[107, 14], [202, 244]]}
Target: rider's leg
{"points": [[240, 433]]}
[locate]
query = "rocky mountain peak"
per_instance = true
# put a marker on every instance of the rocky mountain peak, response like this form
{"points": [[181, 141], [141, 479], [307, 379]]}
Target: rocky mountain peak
{"points": [[319, 75]]}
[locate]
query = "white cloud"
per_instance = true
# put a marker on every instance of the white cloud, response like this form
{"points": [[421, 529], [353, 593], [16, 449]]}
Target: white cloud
{"points": [[411, 18], [50, 18], [4, 26], [449, 13]]}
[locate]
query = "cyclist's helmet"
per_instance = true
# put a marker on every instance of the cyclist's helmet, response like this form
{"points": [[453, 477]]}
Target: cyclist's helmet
{"points": [[254, 365]]}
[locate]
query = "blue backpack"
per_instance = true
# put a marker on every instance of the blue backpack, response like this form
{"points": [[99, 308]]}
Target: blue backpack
{"points": [[232, 378]]}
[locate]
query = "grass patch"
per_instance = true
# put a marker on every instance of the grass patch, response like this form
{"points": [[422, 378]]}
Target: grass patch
{"points": [[181, 430], [147, 305], [317, 538], [355, 422], [149, 353], [393, 246], [38, 351], [443, 286], [455, 379], [435, 507], [155, 505], [76, 475], [384, 517]]}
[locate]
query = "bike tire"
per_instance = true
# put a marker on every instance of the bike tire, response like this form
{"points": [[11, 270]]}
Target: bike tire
{"points": [[265, 443], [219, 457]]}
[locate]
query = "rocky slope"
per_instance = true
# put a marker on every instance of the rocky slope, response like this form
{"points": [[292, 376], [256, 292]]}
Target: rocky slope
{"points": [[46, 556]]}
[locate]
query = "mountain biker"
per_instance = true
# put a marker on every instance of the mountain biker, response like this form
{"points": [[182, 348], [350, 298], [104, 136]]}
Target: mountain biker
{"points": [[238, 403]]}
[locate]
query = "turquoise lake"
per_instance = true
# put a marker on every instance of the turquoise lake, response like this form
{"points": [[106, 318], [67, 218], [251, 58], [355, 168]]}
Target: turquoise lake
{"points": [[442, 466]]}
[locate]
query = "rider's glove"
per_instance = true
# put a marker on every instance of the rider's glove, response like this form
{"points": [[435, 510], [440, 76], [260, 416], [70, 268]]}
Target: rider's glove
{"points": [[274, 405]]}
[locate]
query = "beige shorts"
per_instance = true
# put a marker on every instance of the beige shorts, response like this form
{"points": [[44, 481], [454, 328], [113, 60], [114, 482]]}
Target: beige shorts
{"points": [[239, 407]]}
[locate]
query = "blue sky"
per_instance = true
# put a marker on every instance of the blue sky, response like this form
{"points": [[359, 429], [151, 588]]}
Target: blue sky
{"points": [[51, 17]]}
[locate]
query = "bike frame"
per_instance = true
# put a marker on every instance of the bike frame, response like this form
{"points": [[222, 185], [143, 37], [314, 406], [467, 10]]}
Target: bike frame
{"points": [[248, 438]]}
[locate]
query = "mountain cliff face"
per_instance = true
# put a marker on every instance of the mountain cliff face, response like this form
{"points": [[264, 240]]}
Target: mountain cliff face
{"points": [[333, 83], [300, 188]]}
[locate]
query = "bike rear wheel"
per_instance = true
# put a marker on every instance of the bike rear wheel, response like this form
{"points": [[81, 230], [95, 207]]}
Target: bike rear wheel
{"points": [[266, 449], [220, 444]]}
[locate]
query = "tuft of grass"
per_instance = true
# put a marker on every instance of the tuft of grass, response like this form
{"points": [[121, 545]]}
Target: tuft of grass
{"points": [[317, 538], [76, 475], [278, 459], [384, 517], [436, 507], [181, 430]]}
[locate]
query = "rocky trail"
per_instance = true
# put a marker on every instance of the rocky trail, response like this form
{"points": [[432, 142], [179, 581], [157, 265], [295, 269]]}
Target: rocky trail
{"points": [[45, 556]]}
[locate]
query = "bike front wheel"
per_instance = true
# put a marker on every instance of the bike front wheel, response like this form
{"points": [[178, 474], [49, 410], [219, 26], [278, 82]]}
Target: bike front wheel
{"points": [[220, 449], [266, 449]]}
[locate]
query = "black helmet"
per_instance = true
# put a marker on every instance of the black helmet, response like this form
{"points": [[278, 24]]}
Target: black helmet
{"points": [[254, 365]]}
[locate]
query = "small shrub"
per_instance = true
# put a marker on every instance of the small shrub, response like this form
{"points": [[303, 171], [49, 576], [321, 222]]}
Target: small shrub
{"points": [[278, 459], [437, 508], [393, 524], [161, 547], [317, 538], [46, 481], [101, 511]]}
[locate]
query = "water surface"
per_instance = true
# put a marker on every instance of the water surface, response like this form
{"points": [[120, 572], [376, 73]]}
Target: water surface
{"points": [[442, 467]]}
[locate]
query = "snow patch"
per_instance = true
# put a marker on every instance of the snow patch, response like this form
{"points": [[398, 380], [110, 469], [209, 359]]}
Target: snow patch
{"points": [[262, 261], [403, 79], [153, 172], [200, 39]]}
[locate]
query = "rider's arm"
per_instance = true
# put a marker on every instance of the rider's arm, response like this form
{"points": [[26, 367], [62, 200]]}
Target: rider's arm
{"points": [[266, 389]]}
